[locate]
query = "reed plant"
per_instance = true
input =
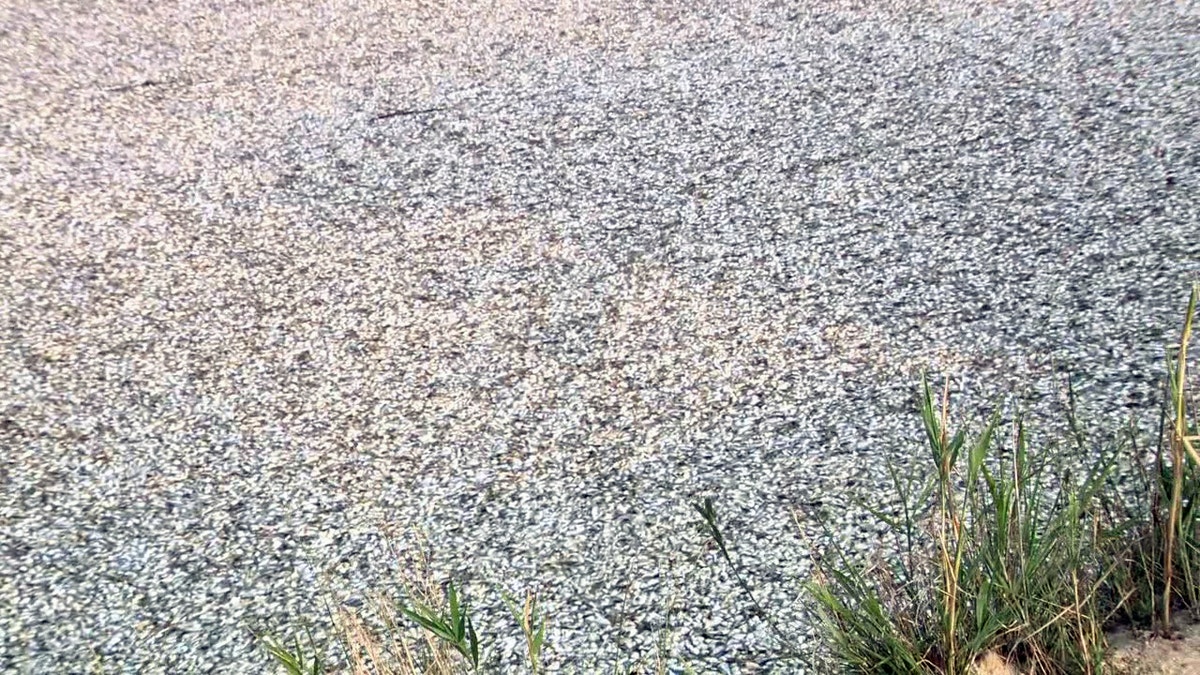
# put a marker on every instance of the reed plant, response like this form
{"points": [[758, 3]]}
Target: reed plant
{"points": [[1024, 554]]}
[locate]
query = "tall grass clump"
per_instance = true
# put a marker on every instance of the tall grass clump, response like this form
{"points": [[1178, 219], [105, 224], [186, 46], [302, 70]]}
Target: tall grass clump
{"points": [[1001, 551], [1026, 554], [1160, 574]]}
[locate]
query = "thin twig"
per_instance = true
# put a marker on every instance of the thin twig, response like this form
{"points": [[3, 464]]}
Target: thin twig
{"points": [[408, 112], [144, 84], [139, 85]]}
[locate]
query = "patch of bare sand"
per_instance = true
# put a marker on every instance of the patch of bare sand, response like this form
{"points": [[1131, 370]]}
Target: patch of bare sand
{"points": [[1139, 654], [1133, 653]]}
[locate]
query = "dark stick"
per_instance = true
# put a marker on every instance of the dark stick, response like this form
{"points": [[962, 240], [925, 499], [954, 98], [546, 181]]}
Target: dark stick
{"points": [[406, 113], [139, 85]]}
